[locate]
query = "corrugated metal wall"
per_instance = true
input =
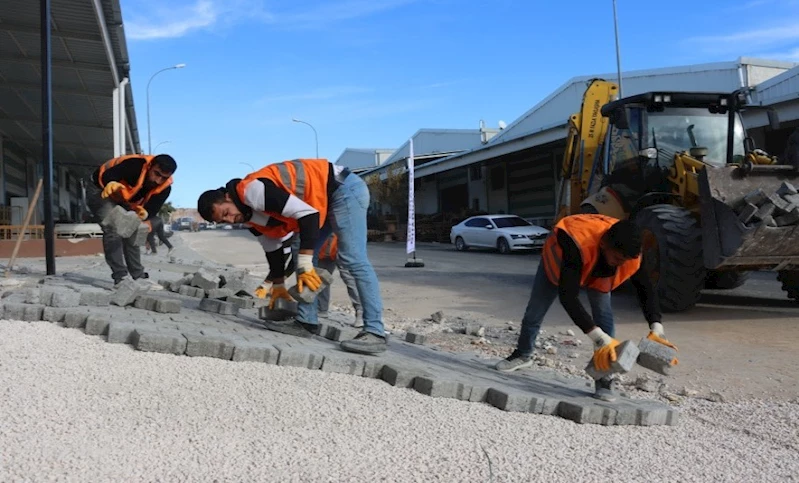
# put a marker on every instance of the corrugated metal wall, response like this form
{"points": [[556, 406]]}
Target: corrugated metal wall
{"points": [[14, 171], [531, 187]]}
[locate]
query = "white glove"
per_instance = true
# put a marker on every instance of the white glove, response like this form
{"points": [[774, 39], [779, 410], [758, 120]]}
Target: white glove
{"points": [[657, 328], [304, 263], [599, 337]]}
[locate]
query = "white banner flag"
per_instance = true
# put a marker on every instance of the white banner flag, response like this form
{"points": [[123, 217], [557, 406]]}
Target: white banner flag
{"points": [[411, 243]]}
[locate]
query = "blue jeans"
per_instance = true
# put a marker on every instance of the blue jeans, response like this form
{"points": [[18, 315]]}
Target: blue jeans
{"points": [[541, 298], [346, 217]]}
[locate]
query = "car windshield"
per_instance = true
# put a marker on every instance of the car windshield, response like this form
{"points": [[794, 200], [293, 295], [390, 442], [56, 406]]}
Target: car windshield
{"points": [[510, 221]]}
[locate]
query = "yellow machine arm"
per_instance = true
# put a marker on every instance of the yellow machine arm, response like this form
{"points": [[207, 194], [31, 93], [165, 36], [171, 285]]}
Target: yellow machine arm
{"points": [[587, 131]]}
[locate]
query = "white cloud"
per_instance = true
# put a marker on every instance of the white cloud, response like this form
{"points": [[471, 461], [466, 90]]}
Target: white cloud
{"points": [[188, 18], [320, 93], [746, 42]]}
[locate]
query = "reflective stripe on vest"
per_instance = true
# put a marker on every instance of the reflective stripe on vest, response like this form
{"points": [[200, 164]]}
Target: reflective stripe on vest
{"points": [[586, 231], [129, 191]]}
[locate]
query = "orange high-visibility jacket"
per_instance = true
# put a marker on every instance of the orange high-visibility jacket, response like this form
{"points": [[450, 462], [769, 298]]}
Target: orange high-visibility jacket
{"points": [[304, 178], [129, 191], [329, 250], [275, 231], [586, 231]]}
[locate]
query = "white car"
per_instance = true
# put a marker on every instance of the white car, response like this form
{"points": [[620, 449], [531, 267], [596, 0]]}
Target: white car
{"points": [[506, 233]]}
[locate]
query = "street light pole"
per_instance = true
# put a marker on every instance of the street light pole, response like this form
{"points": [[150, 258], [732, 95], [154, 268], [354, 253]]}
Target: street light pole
{"points": [[177, 66], [618, 55], [316, 136]]}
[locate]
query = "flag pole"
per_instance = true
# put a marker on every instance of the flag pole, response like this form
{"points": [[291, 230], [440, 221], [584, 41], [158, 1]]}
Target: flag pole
{"points": [[410, 245]]}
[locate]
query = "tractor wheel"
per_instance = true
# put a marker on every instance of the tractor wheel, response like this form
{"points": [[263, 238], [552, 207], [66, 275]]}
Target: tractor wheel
{"points": [[672, 247], [725, 279], [790, 283]]}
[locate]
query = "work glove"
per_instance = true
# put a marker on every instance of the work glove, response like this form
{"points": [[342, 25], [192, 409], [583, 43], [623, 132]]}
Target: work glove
{"points": [[263, 289], [141, 212], [278, 292], [656, 335], [604, 349], [306, 274], [111, 188]]}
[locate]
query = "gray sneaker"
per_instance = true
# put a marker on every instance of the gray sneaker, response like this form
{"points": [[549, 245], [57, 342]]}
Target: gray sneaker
{"points": [[292, 327], [365, 343], [514, 362], [603, 389]]}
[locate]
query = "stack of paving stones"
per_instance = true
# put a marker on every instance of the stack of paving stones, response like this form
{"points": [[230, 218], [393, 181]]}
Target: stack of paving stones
{"points": [[158, 323], [777, 209], [219, 294]]}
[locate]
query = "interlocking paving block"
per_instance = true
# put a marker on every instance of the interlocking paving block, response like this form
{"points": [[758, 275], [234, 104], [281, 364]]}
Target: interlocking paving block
{"points": [[373, 369], [95, 298], [655, 357], [126, 293], [219, 293], [399, 376], [415, 338], [340, 333], [163, 341], [75, 319], [205, 279], [64, 298], [53, 314], [210, 305], [343, 365], [517, 401], [186, 290], [297, 357], [97, 324], [436, 387], [123, 222], [201, 345], [626, 357], [479, 393], [255, 351], [227, 308], [275, 314], [32, 296], [144, 302], [583, 413], [121, 332], [241, 302], [25, 312], [167, 306]]}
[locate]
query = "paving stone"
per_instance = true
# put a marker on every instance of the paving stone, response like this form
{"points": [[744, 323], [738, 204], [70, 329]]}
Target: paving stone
{"points": [[399, 376], [436, 387], [373, 369], [121, 332], [126, 293], [53, 314], [200, 345], [219, 293], [415, 338], [587, 413], [75, 319], [205, 280], [63, 298], [165, 342], [626, 356], [255, 351], [343, 365], [747, 213], [296, 357], [227, 308], [340, 333], [241, 302], [95, 298], [655, 357], [144, 302], [210, 305], [97, 324], [186, 290], [516, 401], [32, 296], [756, 197], [167, 306], [25, 312], [123, 222]]}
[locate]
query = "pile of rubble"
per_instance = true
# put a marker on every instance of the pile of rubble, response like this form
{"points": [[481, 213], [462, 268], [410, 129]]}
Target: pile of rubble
{"points": [[780, 208]]}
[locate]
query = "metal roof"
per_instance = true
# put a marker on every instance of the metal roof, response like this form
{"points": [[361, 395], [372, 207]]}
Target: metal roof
{"points": [[89, 58], [546, 121], [778, 89]]}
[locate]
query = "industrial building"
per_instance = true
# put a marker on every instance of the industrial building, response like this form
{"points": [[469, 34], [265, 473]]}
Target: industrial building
{"points": [[516, 170]]}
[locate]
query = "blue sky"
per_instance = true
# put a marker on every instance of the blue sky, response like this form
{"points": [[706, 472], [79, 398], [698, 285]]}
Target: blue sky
{"points": [[370, 73]]}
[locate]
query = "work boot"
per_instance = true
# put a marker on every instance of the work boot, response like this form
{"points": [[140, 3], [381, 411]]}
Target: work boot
{"points": [[514, 362], [126, 278], [365, 343], [358, 319], [292, 327], [603, 389]]}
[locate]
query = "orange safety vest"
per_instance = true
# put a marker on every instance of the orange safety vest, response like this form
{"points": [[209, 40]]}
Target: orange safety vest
{"points": [[129, 191], [329, 250], [304, 178], [586, 231], [275, 231]]}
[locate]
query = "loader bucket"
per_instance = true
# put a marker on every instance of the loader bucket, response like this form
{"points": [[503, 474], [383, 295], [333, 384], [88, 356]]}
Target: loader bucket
{"points": [[729, 242]]}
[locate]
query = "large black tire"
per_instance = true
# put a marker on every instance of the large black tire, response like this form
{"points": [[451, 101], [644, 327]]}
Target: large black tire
{"points": [[790, 283], [673, 255], [725, 279]]}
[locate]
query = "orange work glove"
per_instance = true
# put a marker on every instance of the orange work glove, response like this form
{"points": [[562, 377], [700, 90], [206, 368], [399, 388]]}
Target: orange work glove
{"points": [[111, 188], [262, 290], [604, 349], [278, 292], [306, 274], [656, 335], [141, 212]]}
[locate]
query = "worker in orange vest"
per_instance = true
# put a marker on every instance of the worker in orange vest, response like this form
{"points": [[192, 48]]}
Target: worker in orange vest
{"points": [[315, 197], [598, 253], [328, 259], [137, 182]]}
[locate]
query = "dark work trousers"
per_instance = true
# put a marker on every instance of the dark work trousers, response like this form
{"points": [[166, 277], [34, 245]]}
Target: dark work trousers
{"points": [[157, 225], [121, 254]]}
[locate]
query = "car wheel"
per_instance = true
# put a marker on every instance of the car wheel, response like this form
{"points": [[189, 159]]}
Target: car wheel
{"points": [[460, 245], [503, 246]]}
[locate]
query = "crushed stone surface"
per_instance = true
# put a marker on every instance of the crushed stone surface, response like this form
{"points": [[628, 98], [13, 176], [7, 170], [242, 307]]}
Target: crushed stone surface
{"points": [[75, 408]]}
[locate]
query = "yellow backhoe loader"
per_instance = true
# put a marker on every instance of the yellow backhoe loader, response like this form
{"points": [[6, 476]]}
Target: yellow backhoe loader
{"points": [[712, 207]]}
